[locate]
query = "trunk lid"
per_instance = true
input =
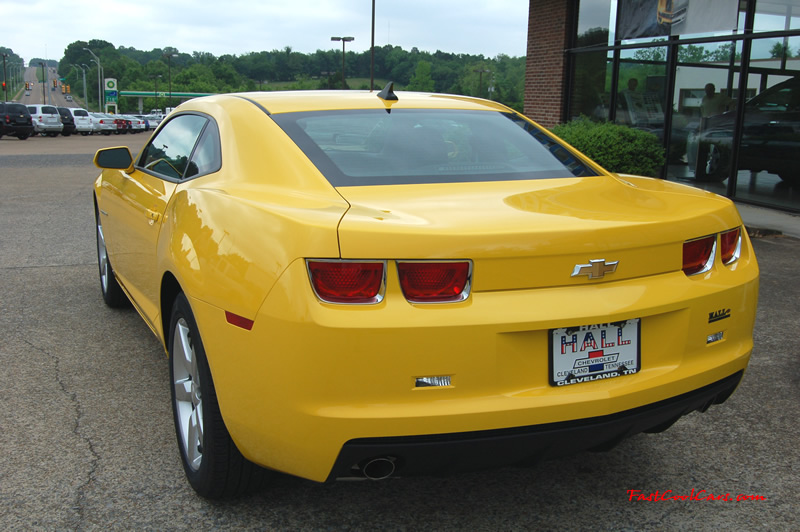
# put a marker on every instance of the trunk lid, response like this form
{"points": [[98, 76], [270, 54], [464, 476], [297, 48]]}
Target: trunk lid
{"points": [[528, 234]]}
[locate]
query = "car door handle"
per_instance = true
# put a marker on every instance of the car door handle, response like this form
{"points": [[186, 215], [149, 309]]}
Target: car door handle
{"points": [[152, 216]]}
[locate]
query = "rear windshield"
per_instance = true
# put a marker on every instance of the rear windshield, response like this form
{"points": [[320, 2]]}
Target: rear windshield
{"points": [[80, 112], [16, 108], [49, 110], [404, 146]]}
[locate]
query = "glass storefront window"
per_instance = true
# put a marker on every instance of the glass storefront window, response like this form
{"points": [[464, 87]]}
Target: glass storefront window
{"points": [[592, 80], [777, 15], [769, 153], [594, 17], [642, 90], [703, 107]]}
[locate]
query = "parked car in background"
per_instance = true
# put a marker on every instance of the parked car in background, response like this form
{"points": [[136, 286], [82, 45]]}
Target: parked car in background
{"points": [[380, 283], [67, 120], [154, 120], [15, 120], [46, 119], [147, 125], [770, 137], [123, 124], [103, 123], [83, 122], [137, 124]]}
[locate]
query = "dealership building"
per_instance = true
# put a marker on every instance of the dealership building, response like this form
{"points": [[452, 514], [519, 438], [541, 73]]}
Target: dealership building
{"points": [[718, 81]]}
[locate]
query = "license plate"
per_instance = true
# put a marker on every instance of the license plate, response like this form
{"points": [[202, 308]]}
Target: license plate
{"points": [[594, 352]]}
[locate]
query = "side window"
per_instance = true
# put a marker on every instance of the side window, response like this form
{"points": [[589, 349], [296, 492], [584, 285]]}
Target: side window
{"points": [[168, 153], [206, 157]]}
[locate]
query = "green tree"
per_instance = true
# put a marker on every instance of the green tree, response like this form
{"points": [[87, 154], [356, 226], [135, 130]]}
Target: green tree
{"points": [[421, 80], [780, 50]]}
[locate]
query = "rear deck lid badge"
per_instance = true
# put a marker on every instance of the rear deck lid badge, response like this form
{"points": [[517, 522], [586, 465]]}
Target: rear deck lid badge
{"points": [[596, 269]]}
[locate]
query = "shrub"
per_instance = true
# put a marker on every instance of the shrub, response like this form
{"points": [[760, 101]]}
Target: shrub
{"points": [[616, 148]]}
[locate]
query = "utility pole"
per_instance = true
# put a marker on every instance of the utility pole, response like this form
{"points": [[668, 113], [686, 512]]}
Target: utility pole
{"points": [[5, 83]]}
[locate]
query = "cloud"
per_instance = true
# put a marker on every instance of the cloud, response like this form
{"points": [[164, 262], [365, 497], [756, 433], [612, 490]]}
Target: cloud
{"points": [[242, 26]]}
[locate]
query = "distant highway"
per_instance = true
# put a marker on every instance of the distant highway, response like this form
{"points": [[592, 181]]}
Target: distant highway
{"points": [[50, 97]]}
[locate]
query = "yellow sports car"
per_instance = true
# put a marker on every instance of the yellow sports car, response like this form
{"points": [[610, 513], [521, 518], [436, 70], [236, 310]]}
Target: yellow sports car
{"points": [[377, 283]]}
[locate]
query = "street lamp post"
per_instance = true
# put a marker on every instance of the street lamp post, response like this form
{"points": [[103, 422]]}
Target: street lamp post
{"points": [[155, 90], [169, 73], [344, 41], [85, 101], [100, 99]]}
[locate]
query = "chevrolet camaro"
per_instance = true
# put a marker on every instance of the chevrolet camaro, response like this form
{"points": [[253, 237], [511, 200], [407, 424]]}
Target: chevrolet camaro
{"points": [[367, 284]]}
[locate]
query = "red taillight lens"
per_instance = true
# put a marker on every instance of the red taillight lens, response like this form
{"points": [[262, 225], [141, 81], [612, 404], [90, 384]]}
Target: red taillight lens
{"points": [[434, 282], [346, 281], [730, 244], [698, 255]]}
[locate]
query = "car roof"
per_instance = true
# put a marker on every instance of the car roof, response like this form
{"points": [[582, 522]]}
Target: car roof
{"points": [[298, 101]]}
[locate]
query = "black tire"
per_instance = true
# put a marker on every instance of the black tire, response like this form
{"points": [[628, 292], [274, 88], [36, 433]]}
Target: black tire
{"points": [[23, 136], [113, 294], [214, 466], [711, 165]]}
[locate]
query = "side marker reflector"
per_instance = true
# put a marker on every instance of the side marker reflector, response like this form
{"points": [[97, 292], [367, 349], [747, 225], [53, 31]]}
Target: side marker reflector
{"points": [[239, 321]]}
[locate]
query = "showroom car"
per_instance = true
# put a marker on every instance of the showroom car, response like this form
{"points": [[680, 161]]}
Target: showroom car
{"points": [[374, 284], [770, 137]]}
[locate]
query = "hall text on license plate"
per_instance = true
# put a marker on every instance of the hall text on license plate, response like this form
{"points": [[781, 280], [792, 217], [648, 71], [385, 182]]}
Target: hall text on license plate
{"points": [[594, 352]]}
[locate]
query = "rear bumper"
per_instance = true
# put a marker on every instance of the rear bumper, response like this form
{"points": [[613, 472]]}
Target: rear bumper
{"points": [[313, 389], [15, 130], [469, 451], [47, 128]]}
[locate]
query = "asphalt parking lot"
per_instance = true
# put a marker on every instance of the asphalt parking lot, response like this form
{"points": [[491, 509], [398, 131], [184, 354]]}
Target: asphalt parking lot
{"points": [[88, 444]]}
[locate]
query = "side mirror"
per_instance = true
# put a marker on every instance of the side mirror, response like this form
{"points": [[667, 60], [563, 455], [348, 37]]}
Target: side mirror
{"points": [[114, 158]]}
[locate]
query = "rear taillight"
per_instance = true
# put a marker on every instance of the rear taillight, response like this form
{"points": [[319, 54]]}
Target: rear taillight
{"points": [[353, 282], [730, 245], [434, 282], [698, 255]]}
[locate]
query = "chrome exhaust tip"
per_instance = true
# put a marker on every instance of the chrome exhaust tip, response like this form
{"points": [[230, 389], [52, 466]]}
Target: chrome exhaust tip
{"points": [[379, 468]]}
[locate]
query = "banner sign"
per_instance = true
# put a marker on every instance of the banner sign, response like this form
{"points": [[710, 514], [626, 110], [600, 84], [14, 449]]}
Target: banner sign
{"points": [[659, 18]]}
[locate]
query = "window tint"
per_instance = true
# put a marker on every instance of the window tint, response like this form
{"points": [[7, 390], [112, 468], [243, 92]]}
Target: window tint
{"points": [[206, 157], [16, 108], [168, 153], [782, 97], [80, 112], [50, 110], [373, 147]]}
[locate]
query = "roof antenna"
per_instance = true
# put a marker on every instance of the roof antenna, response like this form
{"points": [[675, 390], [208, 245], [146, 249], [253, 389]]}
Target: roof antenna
{"points": [[387, 94]]}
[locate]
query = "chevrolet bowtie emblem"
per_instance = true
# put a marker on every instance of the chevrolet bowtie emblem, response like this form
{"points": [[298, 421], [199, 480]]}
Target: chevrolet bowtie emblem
{"points": [[595, 269]]}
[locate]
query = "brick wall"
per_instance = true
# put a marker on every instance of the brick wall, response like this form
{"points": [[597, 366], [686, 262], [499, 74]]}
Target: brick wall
{"points": [[545, 73]]}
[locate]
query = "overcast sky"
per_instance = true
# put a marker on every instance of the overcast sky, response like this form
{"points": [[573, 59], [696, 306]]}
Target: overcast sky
{"points": [[44, 28]]}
